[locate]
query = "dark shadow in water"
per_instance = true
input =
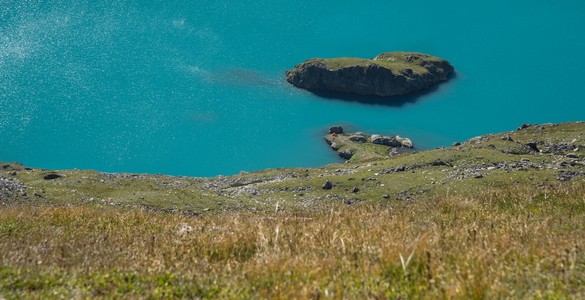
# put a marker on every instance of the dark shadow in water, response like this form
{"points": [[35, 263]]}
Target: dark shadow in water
{"points": [[394, 101]]}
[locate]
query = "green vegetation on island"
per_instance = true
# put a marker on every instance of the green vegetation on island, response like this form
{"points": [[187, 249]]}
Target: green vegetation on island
{"points": [[386, 75], [497, 216]]}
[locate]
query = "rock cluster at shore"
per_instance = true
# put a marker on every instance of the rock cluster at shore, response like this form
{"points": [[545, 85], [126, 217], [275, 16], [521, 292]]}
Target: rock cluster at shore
{"points": [[341, 142], [540, 156], [388, 74]]}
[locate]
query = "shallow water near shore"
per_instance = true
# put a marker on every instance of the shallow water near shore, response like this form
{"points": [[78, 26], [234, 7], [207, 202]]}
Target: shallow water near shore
{"points": [[197, 88]]}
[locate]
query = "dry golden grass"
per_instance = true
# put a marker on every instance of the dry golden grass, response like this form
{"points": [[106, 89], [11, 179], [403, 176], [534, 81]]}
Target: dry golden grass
{"points": [[512, 243]]}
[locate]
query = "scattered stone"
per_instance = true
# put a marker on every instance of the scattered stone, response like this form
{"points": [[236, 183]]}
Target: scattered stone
{"points": [[572, 155], [328, 185], [456, 144], [518, 150], [52, 176], [533, 146], [477, 175], [336, 129], [439, 162], [355, 189], [568, 175], [400, 168], [403, 196], [386, 196], [507, 137], [394, 151], [560, 148], [10, 187], [351, 202], [477, 140]]}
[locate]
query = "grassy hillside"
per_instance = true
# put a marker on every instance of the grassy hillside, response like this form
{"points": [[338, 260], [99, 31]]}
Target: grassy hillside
{"points": [[498, 216]]}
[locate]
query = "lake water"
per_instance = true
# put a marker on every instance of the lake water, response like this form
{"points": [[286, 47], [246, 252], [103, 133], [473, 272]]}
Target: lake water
{"points": [[197, 87]]}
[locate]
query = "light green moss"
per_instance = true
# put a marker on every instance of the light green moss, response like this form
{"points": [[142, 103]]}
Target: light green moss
{"points": [[395, 66]]}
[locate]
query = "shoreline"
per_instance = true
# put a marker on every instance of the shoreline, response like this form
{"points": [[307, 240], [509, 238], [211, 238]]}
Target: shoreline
{"points": [[506, 208], [243, 171], [480, 161]]}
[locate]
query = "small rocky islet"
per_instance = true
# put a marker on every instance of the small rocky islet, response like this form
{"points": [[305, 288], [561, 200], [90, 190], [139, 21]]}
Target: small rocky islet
{"points": [[386, 75]]}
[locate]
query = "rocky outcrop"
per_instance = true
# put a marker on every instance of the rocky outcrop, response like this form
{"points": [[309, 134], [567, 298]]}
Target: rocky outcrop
{"points": [[336, 129], [348, 145], [345, 154], [358, 137], [405, 142], [388, 74], [390, 141]]}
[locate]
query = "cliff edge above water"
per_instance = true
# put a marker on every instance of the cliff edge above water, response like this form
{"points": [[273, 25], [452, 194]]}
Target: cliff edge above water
{"points": [[386, 75]]}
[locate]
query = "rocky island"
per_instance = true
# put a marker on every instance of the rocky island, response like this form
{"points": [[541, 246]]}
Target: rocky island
{"points": [[388, 74]]}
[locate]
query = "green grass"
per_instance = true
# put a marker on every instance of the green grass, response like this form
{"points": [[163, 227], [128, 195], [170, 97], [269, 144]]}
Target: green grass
{"points": [[515, 233], [514, 243], [395, 66], [395, 61]]}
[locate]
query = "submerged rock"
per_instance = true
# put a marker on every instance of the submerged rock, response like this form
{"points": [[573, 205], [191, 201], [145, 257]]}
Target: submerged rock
{"points": [[388, 74]]}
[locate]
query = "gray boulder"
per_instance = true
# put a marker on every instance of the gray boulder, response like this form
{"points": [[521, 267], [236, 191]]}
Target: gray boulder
{"points": [[404, 142], [336, 129], [327, 185], [385, 140], [358, 138], [346, 154]]}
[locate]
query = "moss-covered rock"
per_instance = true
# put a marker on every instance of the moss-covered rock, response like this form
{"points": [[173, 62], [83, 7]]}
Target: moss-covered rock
{"points": [[388, 74]]}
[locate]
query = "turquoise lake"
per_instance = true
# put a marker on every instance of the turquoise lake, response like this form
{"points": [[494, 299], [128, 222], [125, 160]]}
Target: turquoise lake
{"points": [[197, 87]]}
